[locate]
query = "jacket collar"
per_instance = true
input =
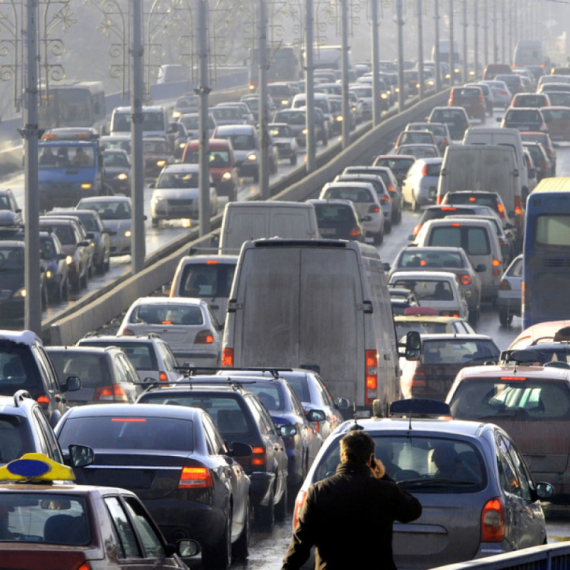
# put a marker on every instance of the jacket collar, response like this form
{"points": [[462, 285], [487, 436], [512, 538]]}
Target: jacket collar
{"points": [[350, 468]]}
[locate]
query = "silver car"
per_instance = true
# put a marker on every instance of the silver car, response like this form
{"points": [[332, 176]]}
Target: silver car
{"points": [[191, 122], [501, 94], [420, 185], [509, 298]]}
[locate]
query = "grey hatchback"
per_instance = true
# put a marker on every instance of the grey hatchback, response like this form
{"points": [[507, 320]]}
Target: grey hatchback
{"points": [[477, 493]]}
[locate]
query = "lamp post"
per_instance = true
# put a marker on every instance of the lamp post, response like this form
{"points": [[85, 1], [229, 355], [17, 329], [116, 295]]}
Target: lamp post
{"points": [[420, 50], [437, 58]]}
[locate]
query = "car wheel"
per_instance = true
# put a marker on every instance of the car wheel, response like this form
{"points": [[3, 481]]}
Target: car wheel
{"points": [[75, 285], [293, 159], [388, 227], [505, 318], [44, 299], [415, 205], [240, 548], [219, 556], [281, 506], [378, 238], [265, 516]]}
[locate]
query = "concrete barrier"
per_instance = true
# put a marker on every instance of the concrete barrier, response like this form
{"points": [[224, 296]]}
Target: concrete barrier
{"points": [[98, 309]]}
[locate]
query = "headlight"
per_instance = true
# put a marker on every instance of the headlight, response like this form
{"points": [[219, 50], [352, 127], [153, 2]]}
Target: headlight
{"points": [[339, 118], [431, 82], [21, 293], [252, 157], [417, 85], [128, 233], [471, 72], [447, 76], [384, 96], [397, 89], [93, 244], [251, 87], [284, 102], [69, 260], [182, 145], [227, 175], [49, 274], [86, 186], [354, 109], [305, 131], [122, 176], [456, 70], [176, 115], [160, 162], [157, 198]]}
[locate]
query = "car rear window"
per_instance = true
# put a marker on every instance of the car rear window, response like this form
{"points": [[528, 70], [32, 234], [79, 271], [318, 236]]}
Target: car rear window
{"points": [[520, 399], [167, 315], [522, 115], [270, 394], [421, 327], [473, 240], [206, 280], [46, 518], [92, 369], [395, 164], [301, 386], [17, 369], [327, 213], [436, 259], [556, 114], [459, 351], [128, 432], [466, 93], [357, 195], [467, 199], [421, 464], [427, 290]]}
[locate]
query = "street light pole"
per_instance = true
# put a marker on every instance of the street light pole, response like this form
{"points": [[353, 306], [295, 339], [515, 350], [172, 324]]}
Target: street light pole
{"points": [[420, 50], [376, 110], [263, 134], [30, 132], [486, 33], [400, 23], [344, 71], [476, 38], [504, 32], [451, 50], [495, 40], [309, 90], [137, 180], [437, 58], [465, 54]]}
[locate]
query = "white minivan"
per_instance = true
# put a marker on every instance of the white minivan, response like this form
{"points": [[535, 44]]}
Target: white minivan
{"points": [[321, 305], [265, 219]]}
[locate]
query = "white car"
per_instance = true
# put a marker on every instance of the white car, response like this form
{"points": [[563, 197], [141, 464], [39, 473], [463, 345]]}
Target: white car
{"points": [[439, 290], [186, 324], [285, 141], [177, 194], [365, 200]]}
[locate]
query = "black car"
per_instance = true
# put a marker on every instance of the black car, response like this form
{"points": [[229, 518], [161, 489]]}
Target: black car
{"points": [[117, 170], [56, 267], [176, 461], [241, 417], [338, 219]]}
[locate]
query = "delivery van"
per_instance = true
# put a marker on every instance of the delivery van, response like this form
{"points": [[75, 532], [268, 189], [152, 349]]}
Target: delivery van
{"points": [[264, 219], [321, 305]]}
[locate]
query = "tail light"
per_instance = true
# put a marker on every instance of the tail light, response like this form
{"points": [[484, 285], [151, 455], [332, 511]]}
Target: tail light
{"points": [[374, 209], [258, 456], [518, 210], [195, 478], [445, 142], [113, 393], [480, 96], [371, 368], [504, 285], [493, 521], [417, 229], [502, 92], [299, 503], [204, 337], [425, 170], [450, 102], [355, 231], [127, 332], [501, 242], [465, 279], [84, 566], [542, 127], [228, 358], [385, 198], [501, 211], [496, 265], [465, 125], [418, 380], [43, 399], [391, 189], [162, 377]]}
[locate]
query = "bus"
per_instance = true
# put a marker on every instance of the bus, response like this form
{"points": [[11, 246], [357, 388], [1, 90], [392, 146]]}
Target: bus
{"points": [[72, 104], [283, 66], [546, 253]]}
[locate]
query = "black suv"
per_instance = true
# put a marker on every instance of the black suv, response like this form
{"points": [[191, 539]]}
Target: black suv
{"points": [[24, 365], [241, 417]]}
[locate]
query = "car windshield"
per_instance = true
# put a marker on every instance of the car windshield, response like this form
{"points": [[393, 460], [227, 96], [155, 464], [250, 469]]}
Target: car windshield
{"points": [[66, 156], [291, 117], [458, 351], [426, 290], [167, 315], [154, 147], [474, 240], [141, 355], [12, 258], [108, 210], [556, 114], [65, 234], [412, 258], [280, 131], [178, 180], [47, 248], [395, 164], [124, 432], [270, 394], [5, 203], [45, 518], [228, 413], [17, 369], [411, 138], [241, 142], [206, 280], [522, 115], [115, 159], [421, 464], [466, 93], [227, 114], [517, 398]]}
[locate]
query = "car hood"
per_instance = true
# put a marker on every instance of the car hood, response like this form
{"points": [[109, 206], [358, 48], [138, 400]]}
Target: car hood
{"points": [[10, 282], [177, 193]]}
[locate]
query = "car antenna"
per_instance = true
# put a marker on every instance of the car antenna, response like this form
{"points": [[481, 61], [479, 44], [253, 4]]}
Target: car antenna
{"points": [[410, 423]]}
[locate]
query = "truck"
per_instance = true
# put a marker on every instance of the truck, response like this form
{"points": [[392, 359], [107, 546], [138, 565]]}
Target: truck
{"points": [[70, 167]]}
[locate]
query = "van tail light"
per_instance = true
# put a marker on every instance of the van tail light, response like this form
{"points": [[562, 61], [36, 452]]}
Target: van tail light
{"points": [[162, 377], [204, 337], [299, 503], [385, 198], [391, 189], [228, 358], [43, 399], [480, 96], [127, 332], [374, 209], [417, 229], [84, 566], [496, 267], [355, 231], [371, 369], [518, 210], [493, 521], [258, 456], [425, 170], [112, 393], [195, 478], [504, 285], [418, 380], [465, 279]]}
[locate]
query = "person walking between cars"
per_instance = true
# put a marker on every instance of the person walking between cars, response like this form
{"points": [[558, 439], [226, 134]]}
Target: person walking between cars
{"points": [[348, 517]]}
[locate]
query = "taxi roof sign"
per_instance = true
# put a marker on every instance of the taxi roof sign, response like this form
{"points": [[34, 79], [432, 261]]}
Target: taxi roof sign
{"points": [[36, 467]]}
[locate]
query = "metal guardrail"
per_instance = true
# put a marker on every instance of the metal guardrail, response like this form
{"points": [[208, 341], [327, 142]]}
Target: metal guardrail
{"points": [[547, 557]]}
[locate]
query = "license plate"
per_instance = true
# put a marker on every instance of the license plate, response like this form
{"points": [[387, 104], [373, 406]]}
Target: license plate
{"points": [[328, 232], [369, 240]]}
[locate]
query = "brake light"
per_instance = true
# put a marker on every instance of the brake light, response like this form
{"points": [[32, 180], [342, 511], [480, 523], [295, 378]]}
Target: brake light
{"points": [[425, 170], [374, 209], [496, 263], [258, 456], [162, 377], [166, 323], [211, 262], [204, 337], [448, 209], [445, 142], [439, 199], [465, 279], [518, 210], [112, 393], [371, 370], [493, 521], [84, 566], [418, 380], [299, 502], [228, 358], [510, 378], [480, 96], [472, 199], [417, 229], [391, 189], [455, 225], [501, 211], [385, 198], [355, 231], [195, 477], [43, 399]]}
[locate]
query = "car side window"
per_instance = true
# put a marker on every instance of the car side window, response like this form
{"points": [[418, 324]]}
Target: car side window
{"points": [[129, 370], [151, 541], [266, 421], [52, 447], [511, 478], [44, 445], [297, 406], [519, 466], [215, 440], [120, 370], [167, 356], [46, 369], [256, 410], [129, 547]]}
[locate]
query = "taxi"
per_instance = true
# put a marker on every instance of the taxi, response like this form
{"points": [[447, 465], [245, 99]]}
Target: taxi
{"points": [[48, 522], [427, 320]]}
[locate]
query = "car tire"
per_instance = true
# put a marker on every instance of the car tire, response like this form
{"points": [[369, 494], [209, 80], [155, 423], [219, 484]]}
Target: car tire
{"points": [[293, 159], [505, 318], [388, 227], [378, 238], [219, 556], [265, 516], [415, 205], [240, 548], [281, 506], [474, 316]]}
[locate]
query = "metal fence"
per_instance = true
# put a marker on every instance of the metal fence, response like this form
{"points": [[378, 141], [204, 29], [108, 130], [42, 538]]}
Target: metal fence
{"points": [[548, 557]]}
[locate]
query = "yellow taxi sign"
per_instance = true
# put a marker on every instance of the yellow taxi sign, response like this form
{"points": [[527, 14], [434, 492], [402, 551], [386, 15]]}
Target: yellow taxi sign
{"points": [[35, 467]]}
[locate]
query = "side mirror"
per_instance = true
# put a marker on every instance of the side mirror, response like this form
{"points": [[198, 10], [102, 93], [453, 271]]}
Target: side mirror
{"points": [[187, 547], [386, 267], [316, 416], [238, 449], [288, 431], [343, 403], [81, 455], [61, 256], [90, 235], [481, 268], [443, 172], [84, 244], [544, 490], [413, 346], [72, 384], [110, 232]]}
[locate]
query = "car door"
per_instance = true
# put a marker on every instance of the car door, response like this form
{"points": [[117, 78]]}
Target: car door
{"points": [[312, 440], [56, 405]]}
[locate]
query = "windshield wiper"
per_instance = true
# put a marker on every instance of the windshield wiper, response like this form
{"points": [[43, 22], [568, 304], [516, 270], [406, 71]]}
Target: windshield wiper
{"points": [[435, 482]]}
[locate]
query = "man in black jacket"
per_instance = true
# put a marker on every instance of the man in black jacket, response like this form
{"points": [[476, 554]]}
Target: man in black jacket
{"points": [[348, 517]]}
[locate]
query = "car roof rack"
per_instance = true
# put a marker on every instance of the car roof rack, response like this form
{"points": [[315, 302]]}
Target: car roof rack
{"points": [[197, 370], [419, 408], [20, 395]]}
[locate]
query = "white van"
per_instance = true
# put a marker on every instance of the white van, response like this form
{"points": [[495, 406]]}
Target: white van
{"points": [[264, 219], [479, 240], [155, 121], [492, 168], [504, 137], [321, 305], [206, 277]]}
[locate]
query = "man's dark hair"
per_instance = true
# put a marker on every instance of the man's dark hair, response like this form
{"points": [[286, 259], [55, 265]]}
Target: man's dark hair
{"points": [[357, 446]]}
